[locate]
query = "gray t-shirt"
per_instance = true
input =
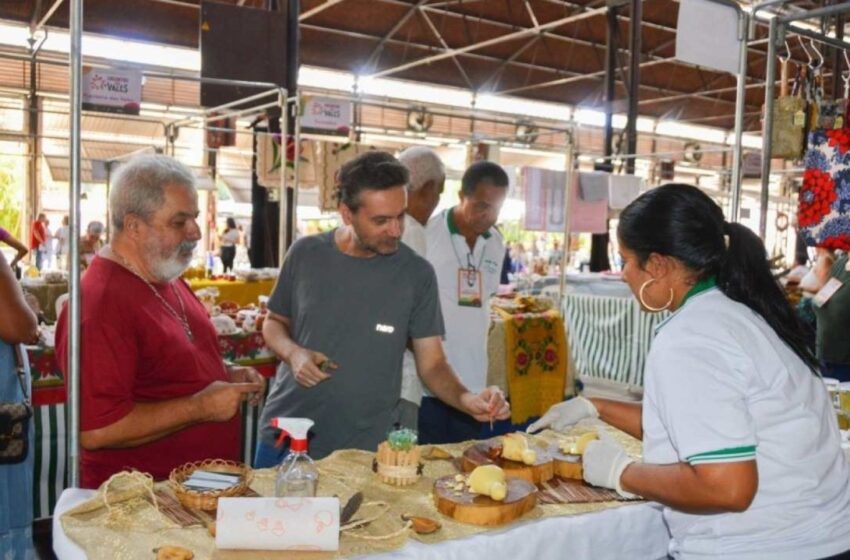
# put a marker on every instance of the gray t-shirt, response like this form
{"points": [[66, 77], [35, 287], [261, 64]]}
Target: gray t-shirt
{"points": [[359, 312]]}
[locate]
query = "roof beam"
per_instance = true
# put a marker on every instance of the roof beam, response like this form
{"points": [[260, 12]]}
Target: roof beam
{"points": [[442, 41], [494, 41]]}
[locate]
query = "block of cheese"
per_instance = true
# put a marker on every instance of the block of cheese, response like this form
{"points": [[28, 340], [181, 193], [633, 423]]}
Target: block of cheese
{"points": [[580, 444], [489, 480], [515, 448]]}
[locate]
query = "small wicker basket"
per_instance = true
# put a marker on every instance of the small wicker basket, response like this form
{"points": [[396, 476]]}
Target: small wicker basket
{"points": [[207, 500], [399, 468]]}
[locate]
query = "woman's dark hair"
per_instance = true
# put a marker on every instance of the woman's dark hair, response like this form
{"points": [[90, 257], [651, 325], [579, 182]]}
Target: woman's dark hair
{"points": [[231, 224], [683, 222], [372, 170]]}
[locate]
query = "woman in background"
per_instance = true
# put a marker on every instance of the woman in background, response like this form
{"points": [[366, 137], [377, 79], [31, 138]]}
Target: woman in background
{"points": [[17, 325], [228, 241]]}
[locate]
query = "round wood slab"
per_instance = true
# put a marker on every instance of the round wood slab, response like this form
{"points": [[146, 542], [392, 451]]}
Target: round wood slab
{"points": [[484, 453], [566, 464], [476, 509]]}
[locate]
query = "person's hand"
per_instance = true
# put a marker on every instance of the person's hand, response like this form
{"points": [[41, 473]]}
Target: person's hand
{"points": [[241, 374], [489, 404], [308, 367], [603, 463], [220, 401], [564, 414]]}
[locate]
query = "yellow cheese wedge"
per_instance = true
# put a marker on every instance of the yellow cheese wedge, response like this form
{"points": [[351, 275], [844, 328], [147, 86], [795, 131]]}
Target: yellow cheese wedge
{"points": [[489, 480], [515, 448]]}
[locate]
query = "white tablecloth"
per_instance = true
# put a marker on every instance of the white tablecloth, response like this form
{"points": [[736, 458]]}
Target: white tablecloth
{"points": [[633, 531]]}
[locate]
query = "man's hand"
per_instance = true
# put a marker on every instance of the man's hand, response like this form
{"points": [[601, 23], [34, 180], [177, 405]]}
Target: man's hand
{"points": [[603, 464], [309, 367], [242, 374], [220, 401], [489, 404]]}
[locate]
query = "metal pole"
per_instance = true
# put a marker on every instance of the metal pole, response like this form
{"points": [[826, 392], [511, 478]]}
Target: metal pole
{"points": [[296, 112], [565, 249], [740, 107], [770, 79], [634, 82], [73, 369], [837, 58], [282, 206], [816, 13]]}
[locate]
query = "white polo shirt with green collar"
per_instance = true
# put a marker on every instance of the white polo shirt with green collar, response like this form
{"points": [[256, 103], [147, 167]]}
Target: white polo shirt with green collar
{"points": [[465, 341], [721, 386]]}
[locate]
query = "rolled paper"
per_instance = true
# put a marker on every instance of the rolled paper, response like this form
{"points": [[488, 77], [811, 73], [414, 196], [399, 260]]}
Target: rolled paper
{"points": [[278, 524]]}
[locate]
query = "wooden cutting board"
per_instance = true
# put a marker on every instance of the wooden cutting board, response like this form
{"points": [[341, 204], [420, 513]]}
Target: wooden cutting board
{"points": [[466, 507], [483, 453]]}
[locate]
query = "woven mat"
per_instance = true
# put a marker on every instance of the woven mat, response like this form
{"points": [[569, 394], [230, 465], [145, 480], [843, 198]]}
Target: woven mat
{"points": [[141, 528]]}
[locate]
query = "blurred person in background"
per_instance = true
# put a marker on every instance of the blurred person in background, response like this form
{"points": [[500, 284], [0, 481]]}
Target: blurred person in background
{"points": [[63, 243], [38, 237], [228, 241], [15, 243], [17, 326]]}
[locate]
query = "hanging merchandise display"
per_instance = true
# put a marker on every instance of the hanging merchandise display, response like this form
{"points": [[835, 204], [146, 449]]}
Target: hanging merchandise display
{"points": [[268, 161], [823, 212], [789, 114]]}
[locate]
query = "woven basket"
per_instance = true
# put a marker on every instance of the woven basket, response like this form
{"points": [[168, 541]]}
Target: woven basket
{"points": [[208, 499]]}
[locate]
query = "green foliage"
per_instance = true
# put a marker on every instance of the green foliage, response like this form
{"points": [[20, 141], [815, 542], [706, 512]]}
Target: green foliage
{"points": [[10, 203]]}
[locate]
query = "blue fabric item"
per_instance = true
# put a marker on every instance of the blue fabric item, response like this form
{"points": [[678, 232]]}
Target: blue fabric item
{"points": [[16, 481], [267, 456], [840, 372]]}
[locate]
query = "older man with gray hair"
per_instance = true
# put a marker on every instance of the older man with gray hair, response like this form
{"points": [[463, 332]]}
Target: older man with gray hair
{"points": [[427, 178], [154, 391]]}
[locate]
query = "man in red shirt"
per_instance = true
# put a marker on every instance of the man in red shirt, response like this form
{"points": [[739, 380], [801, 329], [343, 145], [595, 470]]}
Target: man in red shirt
{"points": [[38, 237], [154, 391]]}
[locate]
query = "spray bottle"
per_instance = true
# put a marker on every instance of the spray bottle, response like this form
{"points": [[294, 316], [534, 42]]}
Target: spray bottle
{"points": [[297, 476]]}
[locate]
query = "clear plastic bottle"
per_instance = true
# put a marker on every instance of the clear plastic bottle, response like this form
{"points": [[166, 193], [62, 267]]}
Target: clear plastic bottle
{"points": [[297, 476]]}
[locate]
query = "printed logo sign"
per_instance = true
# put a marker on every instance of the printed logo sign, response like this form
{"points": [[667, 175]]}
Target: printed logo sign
{"points": [[323, 115], [112, 91]]}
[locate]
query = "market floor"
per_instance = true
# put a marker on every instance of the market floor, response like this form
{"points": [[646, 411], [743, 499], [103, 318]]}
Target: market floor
{"points": [[42, 536]]}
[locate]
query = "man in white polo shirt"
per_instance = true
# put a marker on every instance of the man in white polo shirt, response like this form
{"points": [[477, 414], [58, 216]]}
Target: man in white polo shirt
{"points": [[466, 252], [427, 178]]}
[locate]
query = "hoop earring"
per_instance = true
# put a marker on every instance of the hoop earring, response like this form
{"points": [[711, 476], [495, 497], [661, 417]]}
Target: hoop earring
{"points": [[649, 307]]}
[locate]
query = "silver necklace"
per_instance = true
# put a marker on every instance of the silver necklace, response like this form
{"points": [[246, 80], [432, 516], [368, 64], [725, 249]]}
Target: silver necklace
{"points": [[182, 318]]}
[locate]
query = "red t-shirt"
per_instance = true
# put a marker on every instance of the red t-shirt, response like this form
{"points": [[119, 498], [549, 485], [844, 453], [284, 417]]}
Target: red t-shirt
{"points": [[135, 350], [38, 233]]}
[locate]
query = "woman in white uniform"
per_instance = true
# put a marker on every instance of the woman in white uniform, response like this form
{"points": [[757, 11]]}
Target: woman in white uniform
{"points": [[740, 442]]}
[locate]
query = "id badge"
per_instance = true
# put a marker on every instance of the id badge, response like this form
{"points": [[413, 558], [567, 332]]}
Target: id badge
{"points": [[827, 292], [469, 287]]}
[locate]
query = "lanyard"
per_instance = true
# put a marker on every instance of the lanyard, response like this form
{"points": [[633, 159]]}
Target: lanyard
{"points": [[470, 265]]}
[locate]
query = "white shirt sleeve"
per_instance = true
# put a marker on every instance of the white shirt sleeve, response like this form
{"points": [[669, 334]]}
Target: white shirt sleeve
{"points": [[699, 388]]}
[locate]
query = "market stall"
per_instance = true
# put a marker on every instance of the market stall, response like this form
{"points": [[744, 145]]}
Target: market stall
{"points": [[560, 523]]}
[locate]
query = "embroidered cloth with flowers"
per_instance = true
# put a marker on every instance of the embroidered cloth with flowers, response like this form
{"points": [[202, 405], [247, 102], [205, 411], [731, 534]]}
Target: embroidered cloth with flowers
{"points": [[824, 204]]}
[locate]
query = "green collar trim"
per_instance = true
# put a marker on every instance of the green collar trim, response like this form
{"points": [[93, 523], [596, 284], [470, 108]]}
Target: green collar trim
{"points": [[699, 287], [450, 221]]}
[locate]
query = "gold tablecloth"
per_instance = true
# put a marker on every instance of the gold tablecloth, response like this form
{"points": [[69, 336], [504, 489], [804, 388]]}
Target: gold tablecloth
{"points": [[241, 292], [342, 474]]}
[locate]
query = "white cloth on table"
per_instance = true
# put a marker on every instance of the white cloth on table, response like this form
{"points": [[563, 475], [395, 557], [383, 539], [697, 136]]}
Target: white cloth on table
{"points": [[630, 531]]}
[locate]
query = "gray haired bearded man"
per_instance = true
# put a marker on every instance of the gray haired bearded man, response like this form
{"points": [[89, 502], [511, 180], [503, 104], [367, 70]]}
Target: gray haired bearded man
{"points": [[154, 391]]}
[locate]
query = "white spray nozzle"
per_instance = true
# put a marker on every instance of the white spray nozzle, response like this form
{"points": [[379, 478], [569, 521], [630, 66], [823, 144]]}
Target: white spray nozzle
{"points": [[295, 428]]}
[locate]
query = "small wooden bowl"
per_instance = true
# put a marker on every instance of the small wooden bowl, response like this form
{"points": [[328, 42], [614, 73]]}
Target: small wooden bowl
{"points": [[207, 500]]}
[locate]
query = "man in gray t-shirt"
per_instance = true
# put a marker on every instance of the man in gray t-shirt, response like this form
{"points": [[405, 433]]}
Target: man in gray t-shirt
{"points": [[341, 315]]}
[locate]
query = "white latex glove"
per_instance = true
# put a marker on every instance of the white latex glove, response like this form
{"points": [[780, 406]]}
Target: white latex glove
{"points": [[603, 464], [565, 414]]}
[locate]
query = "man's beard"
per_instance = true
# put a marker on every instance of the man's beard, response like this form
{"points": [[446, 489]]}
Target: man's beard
{"points": [[167, 268]]}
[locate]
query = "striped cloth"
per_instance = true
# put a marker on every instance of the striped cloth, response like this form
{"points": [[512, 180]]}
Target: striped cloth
{"points": [[609, 337]]}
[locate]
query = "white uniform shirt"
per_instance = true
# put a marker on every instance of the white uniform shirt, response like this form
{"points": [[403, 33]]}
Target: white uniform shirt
{"points": [[466, 327], [721, 386], [411, 386]]}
